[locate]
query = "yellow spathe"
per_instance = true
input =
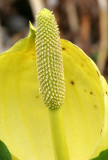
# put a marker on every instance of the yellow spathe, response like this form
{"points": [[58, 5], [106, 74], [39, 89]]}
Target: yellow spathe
{"points": [[103, 141], [24, 121]]}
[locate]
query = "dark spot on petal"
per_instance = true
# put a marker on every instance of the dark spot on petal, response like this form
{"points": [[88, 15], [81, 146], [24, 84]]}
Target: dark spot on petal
{"points": [[72, 82], [91, 92], [85, 90], [63, 48], [97, 73], [95, 106], [82, 65], [106, 92], [89, 74], [37, 96], [100, 131]]}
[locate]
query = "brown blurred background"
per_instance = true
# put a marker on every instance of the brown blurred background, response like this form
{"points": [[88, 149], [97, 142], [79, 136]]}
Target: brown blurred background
{"points": [[83, 22]]}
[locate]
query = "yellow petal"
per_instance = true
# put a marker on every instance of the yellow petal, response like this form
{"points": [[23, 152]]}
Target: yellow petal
{"points": [[103, 141], [84, 102], [14, 157], [24, 121]]}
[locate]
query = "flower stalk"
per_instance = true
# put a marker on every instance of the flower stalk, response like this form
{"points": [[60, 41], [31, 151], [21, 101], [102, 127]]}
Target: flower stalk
{"points": [[58, 134]]}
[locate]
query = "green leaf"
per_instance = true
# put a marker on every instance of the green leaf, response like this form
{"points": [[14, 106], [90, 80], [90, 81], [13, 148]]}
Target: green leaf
{"points": [[4, 152], [103, 155]]}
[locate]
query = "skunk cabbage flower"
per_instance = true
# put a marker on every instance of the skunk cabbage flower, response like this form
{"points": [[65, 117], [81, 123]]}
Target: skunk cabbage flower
{"points": [[25, 126]]}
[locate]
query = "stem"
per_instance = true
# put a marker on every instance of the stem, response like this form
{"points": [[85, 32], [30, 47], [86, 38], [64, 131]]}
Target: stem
{"points": [[58, 134]]}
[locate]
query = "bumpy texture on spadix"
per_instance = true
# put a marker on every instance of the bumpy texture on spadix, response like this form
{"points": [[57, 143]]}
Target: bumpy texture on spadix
{"points": [[49, 60]]}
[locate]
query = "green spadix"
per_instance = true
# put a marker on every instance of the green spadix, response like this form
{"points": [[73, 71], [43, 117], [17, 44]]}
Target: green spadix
{"points": [[49, 60]]}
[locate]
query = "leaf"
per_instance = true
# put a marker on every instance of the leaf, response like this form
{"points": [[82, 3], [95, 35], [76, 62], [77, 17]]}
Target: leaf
{"points": [[103, 155], [24, 121], [4, 152]]}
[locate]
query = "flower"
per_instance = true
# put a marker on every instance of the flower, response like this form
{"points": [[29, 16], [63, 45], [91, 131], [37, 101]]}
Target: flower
{"points": [[24, 120]]}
